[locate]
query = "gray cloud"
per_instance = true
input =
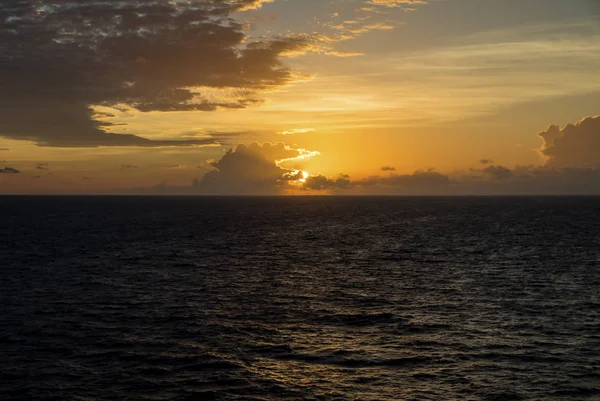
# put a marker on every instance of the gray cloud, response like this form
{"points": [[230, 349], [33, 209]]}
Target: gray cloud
{"points": [[531, 180], [388, 168], [59, 57], [576, 145], [249, 170], [498, 172], [322, 183]]}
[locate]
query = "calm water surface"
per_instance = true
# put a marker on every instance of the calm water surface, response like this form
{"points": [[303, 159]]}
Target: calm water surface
{"points": [[299, 298]]}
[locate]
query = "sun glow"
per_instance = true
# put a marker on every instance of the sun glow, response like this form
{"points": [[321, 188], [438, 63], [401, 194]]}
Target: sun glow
{"points": [[305, 175]]}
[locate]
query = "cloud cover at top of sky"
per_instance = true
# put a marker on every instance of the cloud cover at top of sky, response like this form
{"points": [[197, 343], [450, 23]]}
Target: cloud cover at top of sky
{"points": [[60, 57]]}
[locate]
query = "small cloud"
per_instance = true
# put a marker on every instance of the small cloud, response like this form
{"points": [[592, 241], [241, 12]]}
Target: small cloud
{"points": [[498, 172], [208, 164], [42, 166], [297, 131], [486, 161], [388, 168], [322, 183], [9, 170], [369, 10], [128, 166]]}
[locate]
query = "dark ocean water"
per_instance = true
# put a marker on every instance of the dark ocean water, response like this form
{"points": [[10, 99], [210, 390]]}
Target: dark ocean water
{"points": [[299, 298]]}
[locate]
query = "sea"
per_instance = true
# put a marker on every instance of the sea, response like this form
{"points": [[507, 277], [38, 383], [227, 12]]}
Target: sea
{"points": [[299, 298]]}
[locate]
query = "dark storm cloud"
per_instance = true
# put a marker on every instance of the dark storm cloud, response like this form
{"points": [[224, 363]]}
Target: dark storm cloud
{"points": [[9, 170], [59, 57], [576, 145]]}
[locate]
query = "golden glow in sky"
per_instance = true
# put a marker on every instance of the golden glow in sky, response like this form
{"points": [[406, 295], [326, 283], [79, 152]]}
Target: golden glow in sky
{"points": [[370, 97]]}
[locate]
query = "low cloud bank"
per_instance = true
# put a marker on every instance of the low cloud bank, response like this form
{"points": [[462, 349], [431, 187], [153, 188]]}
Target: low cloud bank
{"points": [[572, 167]]}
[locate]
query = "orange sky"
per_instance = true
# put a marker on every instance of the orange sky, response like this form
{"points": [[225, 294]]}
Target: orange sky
{"points": [[366, 97]]}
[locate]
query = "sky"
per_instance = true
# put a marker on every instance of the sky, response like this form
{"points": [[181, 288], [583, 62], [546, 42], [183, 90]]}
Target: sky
{"points": [[300, 97]]}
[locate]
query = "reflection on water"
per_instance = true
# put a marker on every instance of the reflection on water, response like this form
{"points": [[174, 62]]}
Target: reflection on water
{"points": [[300, 298]]}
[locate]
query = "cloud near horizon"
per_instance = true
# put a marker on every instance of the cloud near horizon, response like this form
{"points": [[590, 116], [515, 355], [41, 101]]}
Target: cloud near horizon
{"points": [[256, 169], [252, 169], [60, 58], [576, 145]]}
